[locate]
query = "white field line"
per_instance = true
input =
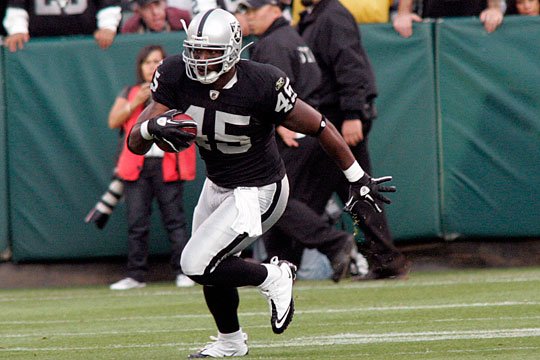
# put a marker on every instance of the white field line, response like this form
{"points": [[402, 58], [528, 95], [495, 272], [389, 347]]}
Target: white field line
{"points": [[179, 330], [265, 313], [313, 341], [301, 286]]}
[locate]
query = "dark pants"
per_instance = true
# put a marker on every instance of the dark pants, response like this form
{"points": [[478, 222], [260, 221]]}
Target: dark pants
{"points": [[139, 195], [300, 226], [324, 178]]}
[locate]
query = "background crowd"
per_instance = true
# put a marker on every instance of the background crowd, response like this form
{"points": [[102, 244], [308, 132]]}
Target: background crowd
{"points": [[23, 19], [307, 222]]}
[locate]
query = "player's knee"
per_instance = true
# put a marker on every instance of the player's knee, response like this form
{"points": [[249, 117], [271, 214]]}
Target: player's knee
{"points": [[190, 265]]}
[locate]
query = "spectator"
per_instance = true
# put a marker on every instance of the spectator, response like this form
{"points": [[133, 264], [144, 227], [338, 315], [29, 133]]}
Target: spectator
{"points": [[155, 16], [151, 16], [155, 174], [280, 45], [490, 11], [524, 7], [347, 99], [26, 18]]}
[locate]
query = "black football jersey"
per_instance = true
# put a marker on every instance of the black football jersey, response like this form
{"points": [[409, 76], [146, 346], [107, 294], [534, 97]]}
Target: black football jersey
{"points": [[235, 133]]}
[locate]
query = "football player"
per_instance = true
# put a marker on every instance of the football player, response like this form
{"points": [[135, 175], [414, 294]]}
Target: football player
{"points": [[237, 105]]}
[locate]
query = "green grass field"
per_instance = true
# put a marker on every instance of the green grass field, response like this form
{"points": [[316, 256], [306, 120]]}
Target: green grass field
{"points": [[472, 314]]}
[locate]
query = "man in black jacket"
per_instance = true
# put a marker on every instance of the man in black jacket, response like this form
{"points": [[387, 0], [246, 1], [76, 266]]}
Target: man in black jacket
{"points": [[300, 226], [347, 99]]}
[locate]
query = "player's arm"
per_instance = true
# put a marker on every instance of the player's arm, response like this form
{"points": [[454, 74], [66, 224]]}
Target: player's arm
{"points": [[157, 124], [305, 119], [136, 142]]}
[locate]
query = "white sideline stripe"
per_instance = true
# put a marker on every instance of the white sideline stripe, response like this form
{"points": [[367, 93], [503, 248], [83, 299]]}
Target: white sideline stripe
{"points": [[467, 351], [339, 339], [312, 311], [211, 328], [417, 283], [302, 286]]}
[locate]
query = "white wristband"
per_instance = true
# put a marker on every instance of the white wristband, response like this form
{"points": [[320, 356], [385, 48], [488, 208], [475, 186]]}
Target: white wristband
{"points": [[354, 172], [144, 131], [109, 18], [16, 21]]}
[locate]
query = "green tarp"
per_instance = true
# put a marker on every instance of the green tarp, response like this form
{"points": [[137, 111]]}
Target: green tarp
{"points": [[458, 128], [404, 140], [61, 151], [4, 233], [490, 106]]}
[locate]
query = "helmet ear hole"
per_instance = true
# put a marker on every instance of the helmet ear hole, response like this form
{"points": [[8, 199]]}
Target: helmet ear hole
{"points": [[215, 29]]}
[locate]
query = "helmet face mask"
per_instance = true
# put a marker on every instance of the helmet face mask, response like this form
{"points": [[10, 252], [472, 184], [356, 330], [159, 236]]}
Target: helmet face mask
{"points": [[215, 30]]}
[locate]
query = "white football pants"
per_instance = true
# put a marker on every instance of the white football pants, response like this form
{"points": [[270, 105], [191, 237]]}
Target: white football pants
{"points": [[215, 215]]}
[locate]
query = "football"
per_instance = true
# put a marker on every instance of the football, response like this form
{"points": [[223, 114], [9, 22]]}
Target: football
{"points": [[187, 125]]}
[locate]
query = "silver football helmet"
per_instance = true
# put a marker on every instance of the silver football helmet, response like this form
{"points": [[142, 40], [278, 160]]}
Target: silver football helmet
{"points": [[215, 29]]}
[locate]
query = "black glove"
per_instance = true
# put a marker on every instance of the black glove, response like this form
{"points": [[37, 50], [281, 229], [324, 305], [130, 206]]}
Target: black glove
{"points": [[164, 129], [367, 189]]}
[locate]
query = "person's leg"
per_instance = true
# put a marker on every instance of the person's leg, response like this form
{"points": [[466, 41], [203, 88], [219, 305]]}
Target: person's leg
{"points": [[210, 257], [384, 259], [325, 178], [231, 340], [223, 305], [138, 198], [305, 227], [171, 204], [213, 239], [277, 243], [318, 182]]}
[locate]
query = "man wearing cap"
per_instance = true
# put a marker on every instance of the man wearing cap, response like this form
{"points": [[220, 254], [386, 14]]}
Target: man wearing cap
{"points": [[299, 227], [155, 16]]}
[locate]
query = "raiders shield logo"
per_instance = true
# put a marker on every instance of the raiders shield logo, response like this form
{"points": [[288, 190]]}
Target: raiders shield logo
{"points": [[214, 94], [237, 32], [280, 83]]}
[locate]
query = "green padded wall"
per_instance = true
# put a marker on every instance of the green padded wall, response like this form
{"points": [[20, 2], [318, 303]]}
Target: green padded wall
{"points": [[61, 151], [458, 128], [404, 140], [490, 105], [4, 228]]}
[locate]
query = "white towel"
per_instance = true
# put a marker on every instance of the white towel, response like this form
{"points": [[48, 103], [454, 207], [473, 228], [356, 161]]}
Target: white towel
{"points": [[248, 219]]}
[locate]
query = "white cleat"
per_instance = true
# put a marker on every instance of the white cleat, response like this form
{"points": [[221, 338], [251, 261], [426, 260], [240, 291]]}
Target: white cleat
{"points": [[127, 284], [280, 297], [223, 348]]}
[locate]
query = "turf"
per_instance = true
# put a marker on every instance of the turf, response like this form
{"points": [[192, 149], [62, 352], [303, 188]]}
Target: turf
{"points": [[465, 315]]}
